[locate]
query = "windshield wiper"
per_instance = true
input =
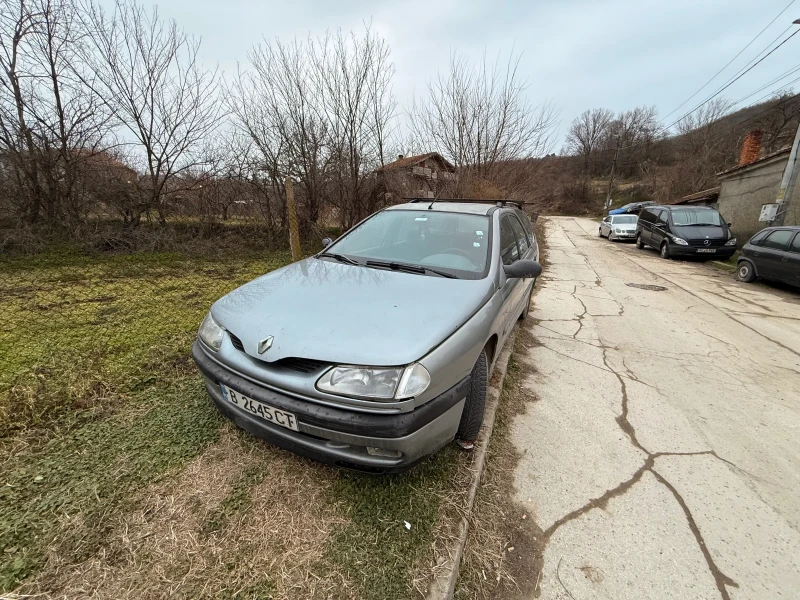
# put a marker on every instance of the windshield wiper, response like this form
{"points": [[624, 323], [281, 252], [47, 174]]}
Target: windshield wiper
{"points": [[396, 266], [340, 257]]}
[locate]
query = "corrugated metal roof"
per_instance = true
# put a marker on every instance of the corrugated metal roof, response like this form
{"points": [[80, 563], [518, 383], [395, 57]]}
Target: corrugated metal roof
{"points": [[710, 194]]}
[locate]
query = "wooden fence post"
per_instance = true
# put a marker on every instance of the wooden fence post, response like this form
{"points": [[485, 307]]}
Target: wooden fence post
{"points": [[294, 233]]}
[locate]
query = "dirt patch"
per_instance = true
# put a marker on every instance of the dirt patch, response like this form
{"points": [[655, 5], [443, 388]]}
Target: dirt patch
{"points": [[214, 530]]}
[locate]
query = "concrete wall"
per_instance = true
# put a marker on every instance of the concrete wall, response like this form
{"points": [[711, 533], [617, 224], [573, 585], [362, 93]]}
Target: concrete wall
{"points": [[742, 193]]}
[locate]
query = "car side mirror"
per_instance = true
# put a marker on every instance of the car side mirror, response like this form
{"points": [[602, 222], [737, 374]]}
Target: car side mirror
{"points": [[523, 269], [730, 224], [326, 242]]}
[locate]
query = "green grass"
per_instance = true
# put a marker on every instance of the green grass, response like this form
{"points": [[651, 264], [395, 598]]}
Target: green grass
{"points": [[375, 550], [98, 396]]}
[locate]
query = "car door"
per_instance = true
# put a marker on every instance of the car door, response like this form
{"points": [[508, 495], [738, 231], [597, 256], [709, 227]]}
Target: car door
{"points": [[792, 262], [605, 226], [525, 251], [509, 253], [646, 220], [658, 231], [770, 255]]}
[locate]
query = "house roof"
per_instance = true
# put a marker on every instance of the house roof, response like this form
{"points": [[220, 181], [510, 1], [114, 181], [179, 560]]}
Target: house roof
{"points": [[410, 161], [763, 159], [708, 195]]}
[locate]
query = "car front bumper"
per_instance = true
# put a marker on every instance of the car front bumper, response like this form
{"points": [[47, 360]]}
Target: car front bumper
{"points": [[625, 235], [340, 436], [722, 253]]}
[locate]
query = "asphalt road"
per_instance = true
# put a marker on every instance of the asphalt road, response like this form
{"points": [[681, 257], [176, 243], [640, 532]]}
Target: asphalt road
{"points": [[661, 458]]}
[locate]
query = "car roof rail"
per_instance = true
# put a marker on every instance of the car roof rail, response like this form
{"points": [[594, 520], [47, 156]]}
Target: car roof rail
{"points": [[518, 203]]}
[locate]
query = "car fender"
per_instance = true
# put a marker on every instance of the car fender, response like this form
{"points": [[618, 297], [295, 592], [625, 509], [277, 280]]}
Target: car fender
{"points": [[454, 358], [752, 264]]}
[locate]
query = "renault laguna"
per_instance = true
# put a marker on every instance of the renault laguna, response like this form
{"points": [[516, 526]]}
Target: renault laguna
{"points": [[375, 352]]}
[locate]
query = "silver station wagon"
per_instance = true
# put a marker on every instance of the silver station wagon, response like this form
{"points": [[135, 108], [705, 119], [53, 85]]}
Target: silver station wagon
{"points": [[375, 352]]}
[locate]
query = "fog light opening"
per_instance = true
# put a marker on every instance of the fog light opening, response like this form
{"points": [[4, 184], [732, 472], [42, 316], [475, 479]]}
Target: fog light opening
{"points": [[385, 452]]}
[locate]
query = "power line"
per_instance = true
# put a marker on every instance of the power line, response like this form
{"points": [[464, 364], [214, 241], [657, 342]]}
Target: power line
{"points": [[750, 43], [765, 86], [731, 82]]}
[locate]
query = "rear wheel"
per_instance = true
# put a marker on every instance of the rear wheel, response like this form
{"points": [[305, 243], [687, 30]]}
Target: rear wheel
{"points": [[600, 231], [639, 242], [665, 250], [472, 417], [745, 272]]}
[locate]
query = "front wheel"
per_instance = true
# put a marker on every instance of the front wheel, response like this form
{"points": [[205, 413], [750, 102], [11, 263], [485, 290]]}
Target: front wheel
{"points": [[665, 250], [639, 242], [745, 272], [472, 417]]}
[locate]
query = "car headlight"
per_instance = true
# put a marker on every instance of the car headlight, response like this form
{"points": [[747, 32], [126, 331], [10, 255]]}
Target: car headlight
{"points": [[211, 333], [731, 242], [679, 241], [380, 383], [618, 230]]}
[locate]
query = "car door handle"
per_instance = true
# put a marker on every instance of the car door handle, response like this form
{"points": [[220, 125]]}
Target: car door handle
{"points": [[784, 259], [756, 253]]}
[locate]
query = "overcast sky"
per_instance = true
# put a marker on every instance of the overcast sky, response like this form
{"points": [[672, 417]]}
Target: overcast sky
{"points": [[579, 54]]}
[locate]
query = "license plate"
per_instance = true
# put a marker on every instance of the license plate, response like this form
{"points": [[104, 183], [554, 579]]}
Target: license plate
{"points": [[708, 250], [266, 412]]}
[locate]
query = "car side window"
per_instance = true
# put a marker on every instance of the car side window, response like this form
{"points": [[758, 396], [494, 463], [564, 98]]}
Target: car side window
{"points": [[647, 216], [795, 247], [778, 239], [662, 217], [756, 239], [509, 251], [522, 239]]}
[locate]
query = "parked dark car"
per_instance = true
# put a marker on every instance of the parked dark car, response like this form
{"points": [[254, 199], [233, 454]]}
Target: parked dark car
{"points": [[698, 231], [634, 208], [773, 253]]}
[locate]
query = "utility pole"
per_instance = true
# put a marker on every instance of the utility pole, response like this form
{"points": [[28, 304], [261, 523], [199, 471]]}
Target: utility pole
{"points": [[788, 181], [789, 176], [611, 179]]}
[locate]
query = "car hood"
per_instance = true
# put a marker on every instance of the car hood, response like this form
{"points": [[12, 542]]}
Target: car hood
{"points": [[701, 232], [349, 314]]}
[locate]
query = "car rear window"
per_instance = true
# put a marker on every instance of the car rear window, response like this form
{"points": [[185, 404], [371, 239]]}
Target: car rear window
{"points": [[778, 239]]}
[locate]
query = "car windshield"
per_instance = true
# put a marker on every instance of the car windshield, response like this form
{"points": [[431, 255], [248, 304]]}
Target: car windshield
{"points": [[696, 217], [624, 220], [453, 242], [626, 207]]}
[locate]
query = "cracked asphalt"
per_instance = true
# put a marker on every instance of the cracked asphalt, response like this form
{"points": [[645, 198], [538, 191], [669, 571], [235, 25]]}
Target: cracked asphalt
{"points": [[660, 458]]}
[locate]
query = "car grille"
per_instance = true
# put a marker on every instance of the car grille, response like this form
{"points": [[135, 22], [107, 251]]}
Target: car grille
{"points": [[711, 243], [301, 365], [237, 343]]}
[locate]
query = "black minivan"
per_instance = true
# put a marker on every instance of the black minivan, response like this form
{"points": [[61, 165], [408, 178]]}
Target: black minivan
{"points": [[685, 231]]}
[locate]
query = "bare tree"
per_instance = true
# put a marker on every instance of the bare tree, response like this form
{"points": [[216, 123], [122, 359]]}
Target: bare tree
{"points": [[148, 73], [51, 125], [587, 132], [479, 118], [780, 121]]}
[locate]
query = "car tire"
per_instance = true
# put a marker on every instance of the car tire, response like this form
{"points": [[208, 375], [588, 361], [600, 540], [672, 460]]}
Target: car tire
{"points": [[600, 232], [474, 405], [639, 242], [610, 237], [745, 272], [665, 250]]}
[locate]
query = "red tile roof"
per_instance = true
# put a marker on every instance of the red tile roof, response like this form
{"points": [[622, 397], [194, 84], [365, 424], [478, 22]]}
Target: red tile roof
{"points": [[410, 161], [785, 150]]}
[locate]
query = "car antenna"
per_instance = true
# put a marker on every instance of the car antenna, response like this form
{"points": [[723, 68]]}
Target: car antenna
{"points": [[430, 206]]}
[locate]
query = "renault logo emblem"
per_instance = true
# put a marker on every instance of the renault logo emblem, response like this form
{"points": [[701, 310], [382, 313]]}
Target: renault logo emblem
{"points": [[265, 345]]}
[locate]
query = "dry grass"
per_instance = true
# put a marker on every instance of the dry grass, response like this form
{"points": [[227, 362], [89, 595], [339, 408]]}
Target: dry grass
{"points": [[212, 531]]}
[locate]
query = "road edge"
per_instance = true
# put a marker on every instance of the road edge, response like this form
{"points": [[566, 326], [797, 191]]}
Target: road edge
{"points": [[444, 584]]}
